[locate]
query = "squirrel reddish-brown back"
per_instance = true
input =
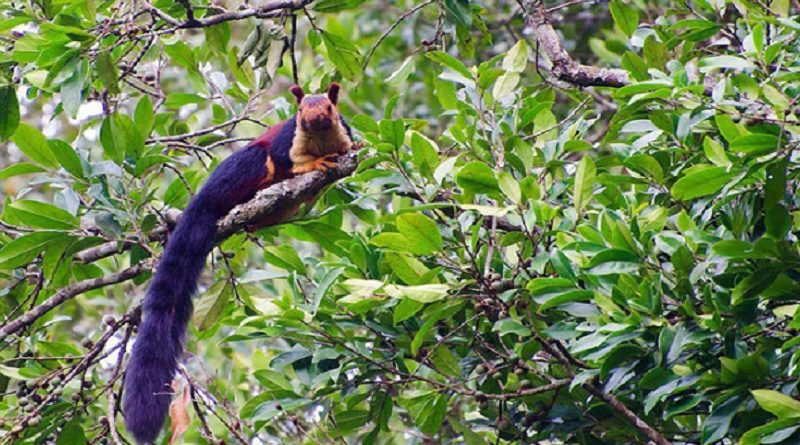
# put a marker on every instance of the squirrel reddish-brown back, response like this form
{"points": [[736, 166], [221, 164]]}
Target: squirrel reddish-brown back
{"points": [[308, 141]]}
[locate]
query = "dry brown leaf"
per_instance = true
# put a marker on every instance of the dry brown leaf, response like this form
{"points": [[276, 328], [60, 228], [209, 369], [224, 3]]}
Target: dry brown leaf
{"points": [[178, 411]]}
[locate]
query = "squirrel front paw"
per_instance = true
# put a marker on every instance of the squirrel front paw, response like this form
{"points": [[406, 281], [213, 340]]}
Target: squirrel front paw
{"points": [[330, 161], [322, 164]]}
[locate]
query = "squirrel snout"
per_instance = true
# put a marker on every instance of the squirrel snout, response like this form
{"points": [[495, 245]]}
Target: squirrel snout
{"points": [[318, 123]]}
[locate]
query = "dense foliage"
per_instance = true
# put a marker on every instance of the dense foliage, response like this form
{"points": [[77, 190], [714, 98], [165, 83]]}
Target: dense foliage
{"points": [[571, 223]]}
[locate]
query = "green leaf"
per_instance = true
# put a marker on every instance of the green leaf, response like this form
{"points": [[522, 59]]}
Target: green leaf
{"points": [[727, 128], [655, 53], [360, 290], [584, 182], [562, 265], [349, 420], [624, 16], [646, 165], [716, 424], [613, 255], [754, 435], [344, 55], [41, 215], [724, 62], [421, 231], [539, 285], [477, 177], [775, 188], [459, 11], [13, 21], [143, 116], [612, 261], [470, 437], [696, 30], [425, 152], [107, 72], [777, 403], [406, 309], [445, 361], [517, 58], [407, 268], [328, 6], [510, 326], [635, 66], [23, 250], [364, 124], [433, 415], [450, 62], [755, 144], [553, 299], [715, 153], [67, 157], [778, 221], [72, 88], [119, 137], [399, 76], [424, 293], [396, 241], [393, 132], [324, 285], [426, 327], [642, 87], [177, 100], [733, 249], [505, 85], [16, 373], [63, 67], [32, 142], [701, 182], [211, 304], [285, 257], [510, 187], [181, 55], [20, 168], [754, 284], [71, 433], [9, 112]]}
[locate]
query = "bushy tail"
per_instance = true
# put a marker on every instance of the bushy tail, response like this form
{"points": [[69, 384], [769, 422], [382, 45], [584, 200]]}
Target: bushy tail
{"points": [[166, 311]]}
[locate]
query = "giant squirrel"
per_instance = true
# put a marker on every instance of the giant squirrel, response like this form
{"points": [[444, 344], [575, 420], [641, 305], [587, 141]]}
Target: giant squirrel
{"points": [[308, 141]]}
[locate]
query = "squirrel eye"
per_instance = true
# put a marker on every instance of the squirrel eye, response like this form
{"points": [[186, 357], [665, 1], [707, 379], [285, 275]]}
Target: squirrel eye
{"points": [[330, 108]]}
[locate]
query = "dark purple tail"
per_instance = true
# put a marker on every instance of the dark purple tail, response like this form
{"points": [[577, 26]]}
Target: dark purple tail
{"points": [[168, 303], [167, 309]]}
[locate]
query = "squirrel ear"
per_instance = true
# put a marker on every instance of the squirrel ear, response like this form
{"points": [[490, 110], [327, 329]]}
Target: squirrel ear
{"points": [[297, 90], [333, 92]]}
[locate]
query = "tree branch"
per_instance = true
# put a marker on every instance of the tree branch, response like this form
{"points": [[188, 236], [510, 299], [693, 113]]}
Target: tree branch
{"points": [[563, 66], [102, 251], [266, 10], [285, 194], [629, 415], [68, 293]]}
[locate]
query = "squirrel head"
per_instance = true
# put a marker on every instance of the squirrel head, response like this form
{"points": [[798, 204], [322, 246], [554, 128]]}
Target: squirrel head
{"points": [[317, 112]]}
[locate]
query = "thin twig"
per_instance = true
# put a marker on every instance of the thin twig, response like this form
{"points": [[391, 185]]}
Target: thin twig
{"points": [[292, 55], [391, 28]]}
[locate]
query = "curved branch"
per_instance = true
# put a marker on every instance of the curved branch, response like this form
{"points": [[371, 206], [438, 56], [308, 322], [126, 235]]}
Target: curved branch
{"points": [[266, 10], [627, 414], [69, 293], [563, 66]]}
